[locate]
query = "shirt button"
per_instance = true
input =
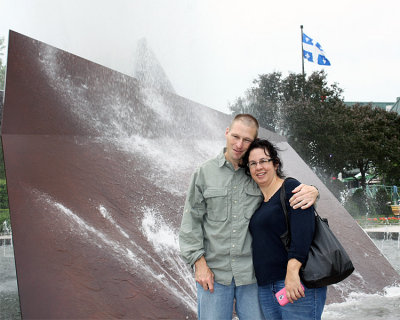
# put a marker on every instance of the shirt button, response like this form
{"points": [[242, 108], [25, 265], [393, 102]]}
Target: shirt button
{"points": [[233, 260], [234, 230], [234, 217], [233, 246]]}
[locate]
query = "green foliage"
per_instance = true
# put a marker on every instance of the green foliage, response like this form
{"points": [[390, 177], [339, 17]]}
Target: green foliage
{"points": [[2, 65], [374, 141], [3, 184], [380, 205], [363, 205], [358, 203], [2, 169], [263, 101], [330, 136], [4, 211], [3, 195], [335, 186]]}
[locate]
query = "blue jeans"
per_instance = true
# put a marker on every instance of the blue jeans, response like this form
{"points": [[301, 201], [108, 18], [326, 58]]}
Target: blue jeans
{"points": [[219, 304], [309, 307]]}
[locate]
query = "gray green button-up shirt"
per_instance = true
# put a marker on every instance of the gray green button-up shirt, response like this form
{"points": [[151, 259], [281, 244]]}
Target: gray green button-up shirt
{"points": [[218, 207]]}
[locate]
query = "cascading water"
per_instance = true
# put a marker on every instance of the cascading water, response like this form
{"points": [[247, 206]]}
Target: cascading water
{"points": [[6, 227], [166, 158], [97, 172], [119, 246]]}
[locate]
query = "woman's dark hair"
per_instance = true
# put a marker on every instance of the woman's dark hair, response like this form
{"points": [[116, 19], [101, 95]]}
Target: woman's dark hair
{"points": [[269, 149]]}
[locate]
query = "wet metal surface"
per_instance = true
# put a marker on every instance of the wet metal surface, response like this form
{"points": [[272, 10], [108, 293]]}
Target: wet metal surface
{"points": [[97, 169]]}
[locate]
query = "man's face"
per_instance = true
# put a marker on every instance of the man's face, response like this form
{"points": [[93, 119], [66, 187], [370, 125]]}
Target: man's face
{"points": [[238, 139]]}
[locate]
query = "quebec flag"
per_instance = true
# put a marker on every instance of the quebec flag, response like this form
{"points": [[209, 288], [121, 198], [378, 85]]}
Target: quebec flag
{"points": [[312, 51]]}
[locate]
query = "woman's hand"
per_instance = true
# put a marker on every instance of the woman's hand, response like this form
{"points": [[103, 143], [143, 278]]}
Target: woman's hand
{"points": [[293, 287]]}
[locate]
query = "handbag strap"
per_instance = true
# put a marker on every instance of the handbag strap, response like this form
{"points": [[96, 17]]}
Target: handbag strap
{"points": [[285, 211], [283, 202]]}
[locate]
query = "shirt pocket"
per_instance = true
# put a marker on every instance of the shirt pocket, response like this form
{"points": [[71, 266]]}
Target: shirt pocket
{"points": [[217, 204], [252, 201]]}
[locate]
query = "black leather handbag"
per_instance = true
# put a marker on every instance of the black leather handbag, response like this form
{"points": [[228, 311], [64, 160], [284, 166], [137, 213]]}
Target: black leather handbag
{"points": [[327, 262]]}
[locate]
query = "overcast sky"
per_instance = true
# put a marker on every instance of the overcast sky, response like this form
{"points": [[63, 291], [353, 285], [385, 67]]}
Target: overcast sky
{"points": [[212, 50]]}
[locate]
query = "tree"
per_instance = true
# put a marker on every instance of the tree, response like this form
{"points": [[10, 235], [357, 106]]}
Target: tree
{"points": [[2, 66], [3, 188], [288, 106], [309, 114], [374, 143], [328, 135], [263, 101]]}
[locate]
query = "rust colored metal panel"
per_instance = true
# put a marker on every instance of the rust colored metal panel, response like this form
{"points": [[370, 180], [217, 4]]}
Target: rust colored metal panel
{"points": [[97, 168]]}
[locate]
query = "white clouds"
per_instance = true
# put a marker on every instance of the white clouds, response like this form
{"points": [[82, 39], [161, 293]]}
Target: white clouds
{"points": [[212, 50]]}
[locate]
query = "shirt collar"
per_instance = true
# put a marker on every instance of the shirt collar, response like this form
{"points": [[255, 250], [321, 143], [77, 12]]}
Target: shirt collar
{"points": [[222, 160]]}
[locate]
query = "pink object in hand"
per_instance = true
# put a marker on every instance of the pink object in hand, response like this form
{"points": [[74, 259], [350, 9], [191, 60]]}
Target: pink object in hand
{"points": [[281, 296]]}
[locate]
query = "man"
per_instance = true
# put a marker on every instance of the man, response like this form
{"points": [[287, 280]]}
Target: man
{"points": [[214, 235]]}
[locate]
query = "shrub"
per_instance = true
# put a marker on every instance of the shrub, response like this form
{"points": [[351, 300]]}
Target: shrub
{"points": [[357, 204], [4, 216], [3, 195], [380, 204]]}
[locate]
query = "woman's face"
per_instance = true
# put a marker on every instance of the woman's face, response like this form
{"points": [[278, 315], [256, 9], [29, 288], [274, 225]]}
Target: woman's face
{"points": [[262, 168]]}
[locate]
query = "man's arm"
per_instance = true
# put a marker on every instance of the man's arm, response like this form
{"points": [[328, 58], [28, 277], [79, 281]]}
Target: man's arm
{"points": [[191, 237], [203, 274], [304, 196]]}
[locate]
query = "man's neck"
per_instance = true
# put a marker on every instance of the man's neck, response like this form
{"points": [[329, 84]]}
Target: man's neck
{"points": [[234, 163]]}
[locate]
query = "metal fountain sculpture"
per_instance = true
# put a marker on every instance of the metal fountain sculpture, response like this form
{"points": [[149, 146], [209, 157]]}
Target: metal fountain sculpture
{"points": [[97, 166]]}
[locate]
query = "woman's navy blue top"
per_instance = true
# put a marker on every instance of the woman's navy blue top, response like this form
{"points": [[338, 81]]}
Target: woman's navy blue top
{"points": [[267, 224]]}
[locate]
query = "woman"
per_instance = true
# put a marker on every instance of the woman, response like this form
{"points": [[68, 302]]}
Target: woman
{"points": [[275, 267]]}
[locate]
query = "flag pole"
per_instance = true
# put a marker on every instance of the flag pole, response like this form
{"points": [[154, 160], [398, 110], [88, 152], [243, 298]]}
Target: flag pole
{"points": [[302, 51], [302, 62]]}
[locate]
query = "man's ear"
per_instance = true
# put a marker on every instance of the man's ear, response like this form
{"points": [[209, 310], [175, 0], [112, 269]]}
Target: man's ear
{"points": [[226, 131]]}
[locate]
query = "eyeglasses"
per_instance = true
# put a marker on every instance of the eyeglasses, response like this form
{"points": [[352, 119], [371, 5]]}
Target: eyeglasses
{"points": [[262, 162]]}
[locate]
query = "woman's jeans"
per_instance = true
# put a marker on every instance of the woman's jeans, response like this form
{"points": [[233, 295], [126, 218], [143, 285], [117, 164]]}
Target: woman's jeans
{"points": [[219, 304], [308, 307]]}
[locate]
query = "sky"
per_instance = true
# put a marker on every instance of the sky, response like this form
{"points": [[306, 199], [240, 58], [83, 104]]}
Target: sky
{"points": [[212, 50]]}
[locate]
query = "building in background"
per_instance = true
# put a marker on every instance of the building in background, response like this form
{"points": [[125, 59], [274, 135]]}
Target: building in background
{"points": [[382, 105], [396, 106]]}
